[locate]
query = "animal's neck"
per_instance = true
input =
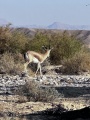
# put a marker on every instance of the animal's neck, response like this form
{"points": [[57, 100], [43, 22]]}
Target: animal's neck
{"points": [[46, 55]]}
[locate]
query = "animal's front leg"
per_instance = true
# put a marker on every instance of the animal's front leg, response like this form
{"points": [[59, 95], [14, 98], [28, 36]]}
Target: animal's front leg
{"points": [[40, 71]]}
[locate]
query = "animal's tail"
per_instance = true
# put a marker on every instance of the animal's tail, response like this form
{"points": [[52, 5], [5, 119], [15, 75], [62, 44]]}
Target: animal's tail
{"points": [[26, 58]]}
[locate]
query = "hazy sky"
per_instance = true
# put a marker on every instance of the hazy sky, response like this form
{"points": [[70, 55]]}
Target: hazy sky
{"points": [[45, 12]]}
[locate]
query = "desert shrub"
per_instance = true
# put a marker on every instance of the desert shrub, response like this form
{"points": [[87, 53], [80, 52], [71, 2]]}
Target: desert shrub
{"points": [[17, 42], [5, 36], [36, 93], [77, 64], [39, 40], [65, 47], [11, 40], [8, 64]]}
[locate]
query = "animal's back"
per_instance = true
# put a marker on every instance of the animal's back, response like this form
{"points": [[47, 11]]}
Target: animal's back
{"points": [[36, 55]]}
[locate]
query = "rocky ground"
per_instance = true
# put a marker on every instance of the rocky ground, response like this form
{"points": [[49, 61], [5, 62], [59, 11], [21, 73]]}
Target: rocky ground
{"points": [[63, 83], [9, 83], [52, 80]]}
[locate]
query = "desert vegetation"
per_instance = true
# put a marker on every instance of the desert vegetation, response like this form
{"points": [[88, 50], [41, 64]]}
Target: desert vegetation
{"points": [[35, 92], [68, 51]]}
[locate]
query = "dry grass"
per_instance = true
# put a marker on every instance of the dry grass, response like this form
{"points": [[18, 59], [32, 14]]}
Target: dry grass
{"points": [[34, 92], [78, 64], [9, 65]]}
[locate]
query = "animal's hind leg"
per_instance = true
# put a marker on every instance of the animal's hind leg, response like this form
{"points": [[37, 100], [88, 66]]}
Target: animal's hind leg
{"points": [[25, 66], [38, 67]]}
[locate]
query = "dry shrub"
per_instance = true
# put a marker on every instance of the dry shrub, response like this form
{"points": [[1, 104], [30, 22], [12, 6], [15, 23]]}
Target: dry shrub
{"points": [[77, 64], [36, 93], [8, 64]]}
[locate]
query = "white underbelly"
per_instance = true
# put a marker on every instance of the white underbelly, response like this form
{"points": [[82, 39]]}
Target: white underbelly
{"points": [[35, 60]]}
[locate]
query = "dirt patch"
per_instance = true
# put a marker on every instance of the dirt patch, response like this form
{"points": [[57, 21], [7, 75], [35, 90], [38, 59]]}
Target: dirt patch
{"points": [[12, 105]]}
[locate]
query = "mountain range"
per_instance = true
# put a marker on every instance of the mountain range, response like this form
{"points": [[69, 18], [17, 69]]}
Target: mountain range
{"points": [[55, 25], [58, 25]]}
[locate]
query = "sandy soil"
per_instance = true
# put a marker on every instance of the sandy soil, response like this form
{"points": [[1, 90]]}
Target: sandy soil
{"points": [[11, 104]]}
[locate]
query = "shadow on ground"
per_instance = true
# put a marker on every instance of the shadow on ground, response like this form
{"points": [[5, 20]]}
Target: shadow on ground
{"points": [[73, 91], [60, 113]]}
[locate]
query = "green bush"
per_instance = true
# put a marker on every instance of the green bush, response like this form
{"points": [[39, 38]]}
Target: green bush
{"points": [[65, 47], [39, 40], [5, 36], [12, 41], [18, 42]]}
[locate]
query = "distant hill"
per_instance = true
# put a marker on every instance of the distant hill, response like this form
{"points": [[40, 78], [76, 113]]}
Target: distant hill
{"points": [[82, 35], [58, 25], [81, 32], [55, 25]]}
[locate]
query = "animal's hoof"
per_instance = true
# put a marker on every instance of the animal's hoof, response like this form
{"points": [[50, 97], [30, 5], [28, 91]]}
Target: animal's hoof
{"points": [[24, 74]]}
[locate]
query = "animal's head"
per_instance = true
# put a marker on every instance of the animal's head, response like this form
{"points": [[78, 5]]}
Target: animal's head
{"points": [[47, 49]]}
